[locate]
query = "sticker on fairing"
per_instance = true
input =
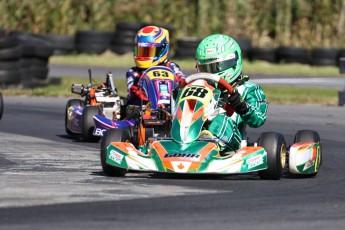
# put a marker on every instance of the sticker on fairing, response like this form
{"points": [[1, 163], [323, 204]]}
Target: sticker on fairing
{"points": [[115, 156]]}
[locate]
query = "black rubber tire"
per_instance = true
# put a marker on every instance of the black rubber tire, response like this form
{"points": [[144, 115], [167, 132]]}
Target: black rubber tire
{"points": [[10, 77], [91, 36], [309, 136], [113, 135], [274, 144], [9, 64], [324, 56], [129, 26], [72, 102], [88, 124], [11, 53], [264, 54], [1, 105], [8, 42], [121, 49], [92, 48], [292, 54]]}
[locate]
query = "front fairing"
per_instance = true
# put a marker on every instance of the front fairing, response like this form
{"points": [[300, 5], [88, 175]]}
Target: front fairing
{"points": [[196, 102], [158, 83]]}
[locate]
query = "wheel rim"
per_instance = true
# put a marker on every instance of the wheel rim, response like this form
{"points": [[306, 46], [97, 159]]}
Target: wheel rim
{"points": [[283, 155]]}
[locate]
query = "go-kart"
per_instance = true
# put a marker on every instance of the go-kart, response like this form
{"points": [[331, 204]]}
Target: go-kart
{"points": [[99, 99], [1, 105], [158, 83], [188, 152]]}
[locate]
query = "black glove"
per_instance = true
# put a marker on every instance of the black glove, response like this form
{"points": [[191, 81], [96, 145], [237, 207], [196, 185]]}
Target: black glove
{"points": [[236, 101], [175, 92]]}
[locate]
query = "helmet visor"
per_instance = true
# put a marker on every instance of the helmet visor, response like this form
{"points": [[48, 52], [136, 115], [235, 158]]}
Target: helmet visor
{"points": [[153, 51], [216, 67]]}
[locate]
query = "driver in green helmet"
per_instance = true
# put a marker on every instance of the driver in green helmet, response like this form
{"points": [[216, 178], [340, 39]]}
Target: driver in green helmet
{"points": [[221, 55]]}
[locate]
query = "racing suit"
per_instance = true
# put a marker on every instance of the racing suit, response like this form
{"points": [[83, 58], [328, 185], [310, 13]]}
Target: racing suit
{"points": [[232, 129], [134, 93]]}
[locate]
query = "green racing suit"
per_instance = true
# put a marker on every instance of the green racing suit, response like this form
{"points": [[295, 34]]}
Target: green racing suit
{"points": [[232, 129]]}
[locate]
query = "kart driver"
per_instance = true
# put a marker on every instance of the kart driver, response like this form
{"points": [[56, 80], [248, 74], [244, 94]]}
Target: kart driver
{"points": [[151, 49], [221, 55]]}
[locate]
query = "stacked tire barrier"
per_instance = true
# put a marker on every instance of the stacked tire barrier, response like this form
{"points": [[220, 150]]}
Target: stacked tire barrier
{"points": [[92, 41], [34, 58], [10, 55], [122, 41], [62, 44], [24, 59], [186, 47]]}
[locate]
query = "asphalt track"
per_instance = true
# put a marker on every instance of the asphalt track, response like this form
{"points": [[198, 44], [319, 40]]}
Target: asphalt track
{"points": [[49, 180]]}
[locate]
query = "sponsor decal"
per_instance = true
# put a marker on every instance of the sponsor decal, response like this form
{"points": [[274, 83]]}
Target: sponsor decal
{"points": [[99, 132], [181, 166], [254, 161], [309, 164], [143, 44], [115, 156], [210, 51], [186, 155]]}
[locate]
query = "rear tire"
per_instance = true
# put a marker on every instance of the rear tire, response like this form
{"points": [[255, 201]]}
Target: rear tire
{"points": [[72, 102], [113, 135], [309, 136], [88, 124], [274, 144]]}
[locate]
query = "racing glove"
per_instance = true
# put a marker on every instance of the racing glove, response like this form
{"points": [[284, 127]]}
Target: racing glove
{"points": [[181, 82], [138, 92], [236, 101]]}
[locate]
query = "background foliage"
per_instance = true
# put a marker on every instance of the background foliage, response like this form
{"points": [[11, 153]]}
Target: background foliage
{"points": [[306, 23]]}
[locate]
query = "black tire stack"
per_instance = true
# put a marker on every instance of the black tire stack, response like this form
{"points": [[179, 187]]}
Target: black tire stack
{"points": [[264, 54], [186, 47], [62, 44], [35, 53], [10, 54], [245, 45], [92, 41], [292, 54], [324, 57], [122, 41]]}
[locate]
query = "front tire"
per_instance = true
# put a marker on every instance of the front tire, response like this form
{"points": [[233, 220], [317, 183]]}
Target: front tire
{"points": [[309, 136], [274, 144], [72, 102], [113, 135], [88, 124]]}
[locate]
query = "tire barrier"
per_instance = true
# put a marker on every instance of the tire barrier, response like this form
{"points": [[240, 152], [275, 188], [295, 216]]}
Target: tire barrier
{"points": [[186, 47], [92, 41], [291, 54], [122, 41], [24, 59], [62, 44], [324, 56], [264, 54], [24, 56], [10, 54]]}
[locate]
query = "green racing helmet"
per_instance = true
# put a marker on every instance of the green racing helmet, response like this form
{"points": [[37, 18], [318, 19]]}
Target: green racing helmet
{"points": [[220, 54]]}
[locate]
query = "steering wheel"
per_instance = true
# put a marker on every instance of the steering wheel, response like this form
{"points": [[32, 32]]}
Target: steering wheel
{"points": [[215, 78], [212, 77]]}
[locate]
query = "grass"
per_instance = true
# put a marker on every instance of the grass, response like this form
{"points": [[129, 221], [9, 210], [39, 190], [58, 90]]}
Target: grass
{"points": [[275, 94]]}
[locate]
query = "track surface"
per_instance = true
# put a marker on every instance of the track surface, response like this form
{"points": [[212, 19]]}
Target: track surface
{"points": [[51, 181]]}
